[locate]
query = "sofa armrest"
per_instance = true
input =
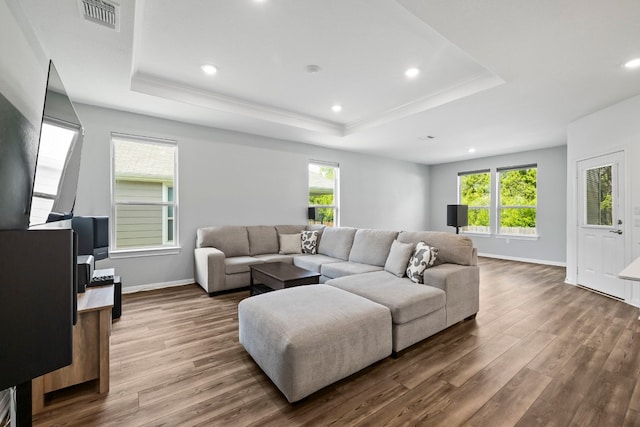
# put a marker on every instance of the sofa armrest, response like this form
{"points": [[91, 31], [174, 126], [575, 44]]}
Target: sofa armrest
{"points": [[461, 283], [209, 269]]}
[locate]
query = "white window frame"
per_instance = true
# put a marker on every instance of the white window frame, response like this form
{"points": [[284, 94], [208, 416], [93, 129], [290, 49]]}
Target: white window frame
{"points": [[146, 251], [165, 214], [487, 207], [336, 189], [499, 205]]}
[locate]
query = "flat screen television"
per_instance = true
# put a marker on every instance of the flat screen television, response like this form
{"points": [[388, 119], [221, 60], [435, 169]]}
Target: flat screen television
{"points": [[58, 159]]}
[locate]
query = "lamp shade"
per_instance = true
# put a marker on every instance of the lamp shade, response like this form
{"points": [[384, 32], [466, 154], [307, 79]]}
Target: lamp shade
{"points": [[313, 213], [457, 215]]}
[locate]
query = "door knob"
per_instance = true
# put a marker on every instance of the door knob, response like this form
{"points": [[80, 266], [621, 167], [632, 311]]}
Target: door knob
{"points": [[615, 231]]}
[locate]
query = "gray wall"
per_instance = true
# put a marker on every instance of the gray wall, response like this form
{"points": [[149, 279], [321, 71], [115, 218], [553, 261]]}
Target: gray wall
{"points": [[551, 220], [234, 178]]}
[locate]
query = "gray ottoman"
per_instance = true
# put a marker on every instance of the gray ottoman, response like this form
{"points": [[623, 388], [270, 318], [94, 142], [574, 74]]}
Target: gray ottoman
{"points": [[308, 337]]}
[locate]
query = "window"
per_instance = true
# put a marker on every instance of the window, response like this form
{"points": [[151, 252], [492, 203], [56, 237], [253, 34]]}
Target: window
{"points": [[55, 144], [517, 192], [323, 192], [474, 190], [144, 193], [599, 196]]}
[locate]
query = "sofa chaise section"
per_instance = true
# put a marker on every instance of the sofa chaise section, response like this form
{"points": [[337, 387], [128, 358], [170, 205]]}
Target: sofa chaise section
{"points": [[417, 311]]}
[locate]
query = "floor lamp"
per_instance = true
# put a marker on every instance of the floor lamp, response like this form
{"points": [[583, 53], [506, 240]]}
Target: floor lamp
{"points": [[457, 216]]}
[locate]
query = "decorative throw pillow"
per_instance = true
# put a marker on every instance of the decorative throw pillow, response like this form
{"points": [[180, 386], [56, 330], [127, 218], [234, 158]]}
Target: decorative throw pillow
{"points": [[309, 242], [423, 258], [290, 243], [398, 258]]}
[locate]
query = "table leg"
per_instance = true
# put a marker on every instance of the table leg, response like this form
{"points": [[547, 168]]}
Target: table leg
{"points": [[37, 387], [250, 282], [103, 354]]}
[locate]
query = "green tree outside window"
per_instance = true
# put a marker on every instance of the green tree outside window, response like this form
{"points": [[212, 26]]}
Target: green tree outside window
{"points": [[518, 201], [475, 191]]}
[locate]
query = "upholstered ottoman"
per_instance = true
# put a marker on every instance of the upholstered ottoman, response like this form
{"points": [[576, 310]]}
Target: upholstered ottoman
{"points": [[308, 337]]}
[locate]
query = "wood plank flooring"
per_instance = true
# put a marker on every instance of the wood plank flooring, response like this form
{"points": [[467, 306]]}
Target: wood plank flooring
{"points": [[539, 353]]}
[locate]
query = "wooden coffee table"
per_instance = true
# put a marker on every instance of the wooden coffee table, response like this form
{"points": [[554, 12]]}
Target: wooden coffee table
{"points": [[279, 275]]}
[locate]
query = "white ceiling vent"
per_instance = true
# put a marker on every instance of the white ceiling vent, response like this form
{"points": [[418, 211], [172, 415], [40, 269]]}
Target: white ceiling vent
{"points": [[102, 12]]}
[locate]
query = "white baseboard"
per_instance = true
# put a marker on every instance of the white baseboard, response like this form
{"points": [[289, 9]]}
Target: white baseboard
{"points": [[153, 286], [530, 260]]}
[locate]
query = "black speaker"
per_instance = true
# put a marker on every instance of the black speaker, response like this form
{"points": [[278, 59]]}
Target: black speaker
{"points": [[101, 231], [313, 213], [93, 235], [85, 271], [457, 216]]}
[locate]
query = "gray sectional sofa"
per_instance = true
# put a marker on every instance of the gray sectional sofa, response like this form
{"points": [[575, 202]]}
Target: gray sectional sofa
{"points": [[354, 260]]}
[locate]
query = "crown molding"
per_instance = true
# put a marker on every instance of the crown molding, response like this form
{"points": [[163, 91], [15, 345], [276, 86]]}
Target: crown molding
{"points": [[463, 89], [152, 85]]}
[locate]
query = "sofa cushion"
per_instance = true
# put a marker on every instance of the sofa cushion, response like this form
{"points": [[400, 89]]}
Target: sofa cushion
{"points": [[336, 242], [398, 258], [423, 257], [233, 240], [263, 239], [371, 246], [290, 243], [287, 259], [339, 269], [239, 264], [309, 242], [406, 300], [451, 247], [313, 262]]}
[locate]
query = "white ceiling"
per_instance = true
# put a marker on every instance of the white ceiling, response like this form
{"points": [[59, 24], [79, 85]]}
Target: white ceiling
{"points": [[499, 76]]}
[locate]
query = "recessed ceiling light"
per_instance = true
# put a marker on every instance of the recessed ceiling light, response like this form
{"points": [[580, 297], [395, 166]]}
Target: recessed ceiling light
{"points": [[412, 72], [472, 150], [336, 108], [209, 69], [634, 63]]}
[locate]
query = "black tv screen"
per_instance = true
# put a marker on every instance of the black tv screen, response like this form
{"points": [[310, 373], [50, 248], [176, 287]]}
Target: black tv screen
{"points": [[58, 159]]}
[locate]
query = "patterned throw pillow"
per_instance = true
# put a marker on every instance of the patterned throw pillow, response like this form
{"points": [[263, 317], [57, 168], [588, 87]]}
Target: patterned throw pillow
{"points": [[423, 258], [309, 242]]}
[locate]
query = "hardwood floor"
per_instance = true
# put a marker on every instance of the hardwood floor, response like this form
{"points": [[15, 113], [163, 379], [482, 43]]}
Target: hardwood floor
{"points": [[539, 353]]}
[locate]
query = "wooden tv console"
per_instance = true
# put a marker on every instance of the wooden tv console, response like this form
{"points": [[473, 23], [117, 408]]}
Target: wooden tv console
{"points": [[90, 348]]}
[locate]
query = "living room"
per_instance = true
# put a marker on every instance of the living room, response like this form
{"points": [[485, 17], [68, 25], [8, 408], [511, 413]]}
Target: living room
{"points": [[258, 175]]}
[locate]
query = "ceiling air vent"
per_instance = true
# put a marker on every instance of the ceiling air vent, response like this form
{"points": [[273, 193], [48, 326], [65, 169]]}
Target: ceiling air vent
{"points": [[101, 12]]}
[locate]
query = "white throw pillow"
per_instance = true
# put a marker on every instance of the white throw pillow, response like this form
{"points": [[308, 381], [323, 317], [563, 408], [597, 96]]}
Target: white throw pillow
{"points": [[309, 242], [398, 258], [290, 243], [423, 258]]}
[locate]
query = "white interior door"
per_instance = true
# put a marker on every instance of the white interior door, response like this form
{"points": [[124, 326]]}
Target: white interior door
{"points": [[601, 223]]}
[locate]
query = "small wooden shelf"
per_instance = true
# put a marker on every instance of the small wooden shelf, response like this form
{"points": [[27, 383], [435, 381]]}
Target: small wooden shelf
{"points": [[90, 348]]}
